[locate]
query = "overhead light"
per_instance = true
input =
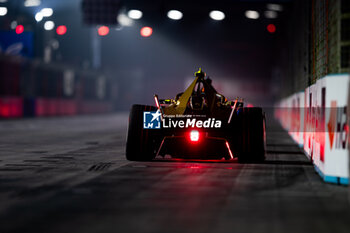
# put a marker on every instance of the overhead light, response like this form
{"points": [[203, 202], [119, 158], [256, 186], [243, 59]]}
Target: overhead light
{"points": [[274, 7], [13, 24], [146, 31], [103, 30], [49, 25], [217, 15], [175, 14], [31, 3], [124, 20], [270, 14], [252, 14], [271, 28], [3, 1], [61, 30], [46, 12], [19, 29], [39, 16], [135, 14], [3, 11]]}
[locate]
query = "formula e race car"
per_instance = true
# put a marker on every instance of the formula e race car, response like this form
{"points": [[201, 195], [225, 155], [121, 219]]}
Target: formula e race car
{"points": [[198, 124]]}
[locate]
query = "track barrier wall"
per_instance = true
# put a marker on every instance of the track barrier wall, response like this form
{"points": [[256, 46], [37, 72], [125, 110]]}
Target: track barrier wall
{"points": [[32, 89], [316, 119]]}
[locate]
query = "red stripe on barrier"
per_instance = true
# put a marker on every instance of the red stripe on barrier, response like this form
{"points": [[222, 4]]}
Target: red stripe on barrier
{"points": [[40, 107], [11, 107]]}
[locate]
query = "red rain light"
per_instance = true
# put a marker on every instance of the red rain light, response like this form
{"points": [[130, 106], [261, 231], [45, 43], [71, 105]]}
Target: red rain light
{"points": [[19, 29], [61, 30], [271, 28], [146, 31], [103, 31], [194, 135]]}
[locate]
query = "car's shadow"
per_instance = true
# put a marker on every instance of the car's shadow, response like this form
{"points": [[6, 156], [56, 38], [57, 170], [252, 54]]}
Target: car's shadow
{"points": [[194, 160], [235, 161]]}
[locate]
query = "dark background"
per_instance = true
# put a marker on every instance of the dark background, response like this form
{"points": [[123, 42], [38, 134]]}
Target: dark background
{"points": [[238, 53]]}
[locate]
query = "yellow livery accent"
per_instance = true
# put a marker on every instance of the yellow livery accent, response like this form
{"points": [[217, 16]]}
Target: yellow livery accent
{"points": [[180, 106]]}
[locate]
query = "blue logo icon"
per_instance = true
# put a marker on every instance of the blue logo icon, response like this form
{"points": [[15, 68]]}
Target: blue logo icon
{"points": [[151, 120]]}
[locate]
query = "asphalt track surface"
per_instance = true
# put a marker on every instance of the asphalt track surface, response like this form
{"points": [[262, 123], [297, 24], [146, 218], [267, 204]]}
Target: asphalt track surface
{"points": [[69, 174]]}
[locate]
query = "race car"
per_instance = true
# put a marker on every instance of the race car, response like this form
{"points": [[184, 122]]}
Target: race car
{"points": [[198, 124]]}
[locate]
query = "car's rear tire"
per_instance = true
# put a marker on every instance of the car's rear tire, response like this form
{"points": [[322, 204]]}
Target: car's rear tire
{"points": [[139, 143], [253, 140]]}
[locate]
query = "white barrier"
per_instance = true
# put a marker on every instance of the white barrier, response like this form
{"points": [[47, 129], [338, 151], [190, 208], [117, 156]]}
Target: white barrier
{"points": [[316, 120], [297, 118], [307, 122]]}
